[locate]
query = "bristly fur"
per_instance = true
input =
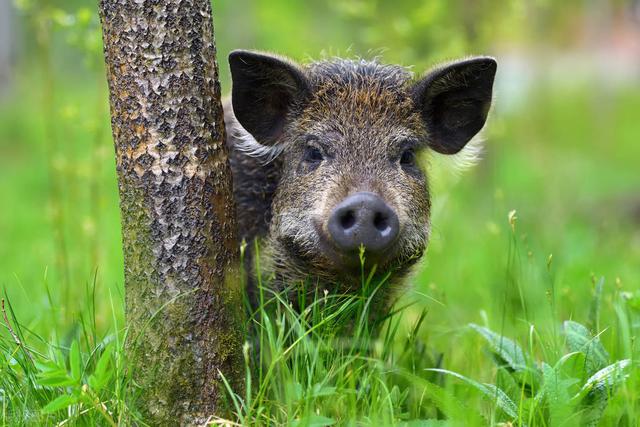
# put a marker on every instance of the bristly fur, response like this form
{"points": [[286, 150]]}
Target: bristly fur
{"points": [[363, 115], [358, 74]]}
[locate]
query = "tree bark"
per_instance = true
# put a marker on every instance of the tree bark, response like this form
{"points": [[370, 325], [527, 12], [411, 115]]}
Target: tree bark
{"points": [[182, 287]]}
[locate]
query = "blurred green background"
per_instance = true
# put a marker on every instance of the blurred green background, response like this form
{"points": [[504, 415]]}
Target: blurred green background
{"points": [[562, 149]]}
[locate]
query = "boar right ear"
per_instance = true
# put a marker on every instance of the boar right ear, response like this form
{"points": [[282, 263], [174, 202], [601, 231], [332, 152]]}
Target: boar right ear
{"points": [[265, 90], [454, 102]]}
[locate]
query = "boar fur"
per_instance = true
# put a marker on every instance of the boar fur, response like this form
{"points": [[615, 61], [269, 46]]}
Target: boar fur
{"points": [[304, 138]]}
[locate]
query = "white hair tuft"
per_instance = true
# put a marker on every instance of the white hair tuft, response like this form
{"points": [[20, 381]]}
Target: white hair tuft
{"points": [[469, 156], [247, 144], [445, 170]]}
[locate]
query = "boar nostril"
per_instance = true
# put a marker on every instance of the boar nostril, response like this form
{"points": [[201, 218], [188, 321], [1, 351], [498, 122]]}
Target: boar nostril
{"points": [[380, 222], [348, 220]]}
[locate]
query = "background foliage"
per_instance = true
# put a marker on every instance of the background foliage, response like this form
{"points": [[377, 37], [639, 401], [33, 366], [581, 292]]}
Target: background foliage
{"points": [[561, 150]]}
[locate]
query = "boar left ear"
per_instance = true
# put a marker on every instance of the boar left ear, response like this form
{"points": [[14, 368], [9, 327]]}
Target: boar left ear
{"points": [[265, 90], [454, 102]]}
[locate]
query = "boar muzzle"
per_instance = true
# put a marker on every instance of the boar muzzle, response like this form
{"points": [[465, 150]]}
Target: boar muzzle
{"points": [[363, 219]]}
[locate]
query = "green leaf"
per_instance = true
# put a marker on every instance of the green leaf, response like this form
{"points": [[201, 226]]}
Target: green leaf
{"points": [[60, 402], [506, 381], [501, 399], [314, 420], [105, 360], [555, 388], [295, 390], [595, 393], [505, 349], [490, 391], [48, 366], [53, 380], [580, 339], [608, 377], [102, 374], [453, 408], [593, 406], [320, 390], [97, 383], [427, 423], [447, 403], [75, 361]]}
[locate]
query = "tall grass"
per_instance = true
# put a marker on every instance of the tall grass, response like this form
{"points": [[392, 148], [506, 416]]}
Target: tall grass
{"points": [[332, 361]]}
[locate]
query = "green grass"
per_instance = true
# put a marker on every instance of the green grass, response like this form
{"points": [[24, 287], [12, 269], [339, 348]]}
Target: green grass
{"points": [[566, 163], [329, 363]]}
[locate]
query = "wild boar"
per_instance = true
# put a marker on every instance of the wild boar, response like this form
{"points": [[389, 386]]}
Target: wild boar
{"points": [[324, 160]]}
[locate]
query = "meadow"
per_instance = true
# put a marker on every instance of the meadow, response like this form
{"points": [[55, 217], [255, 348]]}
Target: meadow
{"points": [[545, 229]]}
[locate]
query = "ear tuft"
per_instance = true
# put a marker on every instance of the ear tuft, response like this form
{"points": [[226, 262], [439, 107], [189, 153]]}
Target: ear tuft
{"points": [[454, 102], [265, 90]]}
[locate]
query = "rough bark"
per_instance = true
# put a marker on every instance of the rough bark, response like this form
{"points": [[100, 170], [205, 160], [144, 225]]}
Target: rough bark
{"points": [[178, 229]]}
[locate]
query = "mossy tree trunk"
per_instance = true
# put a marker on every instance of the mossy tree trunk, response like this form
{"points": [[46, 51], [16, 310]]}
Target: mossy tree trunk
{"points": [[178, 227]]}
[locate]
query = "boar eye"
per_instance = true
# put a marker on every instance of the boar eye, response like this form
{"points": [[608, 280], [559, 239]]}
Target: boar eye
{"points": [[313, 154], [408, 158]]}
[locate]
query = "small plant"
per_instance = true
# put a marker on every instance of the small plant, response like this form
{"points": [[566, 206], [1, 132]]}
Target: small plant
{"points": [[81, 387], [574, 390], [64, 384]]}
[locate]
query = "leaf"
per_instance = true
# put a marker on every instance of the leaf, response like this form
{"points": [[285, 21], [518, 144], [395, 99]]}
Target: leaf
{"points": [[75, 361], [594, 406], [102, 374], [490, 391], [314, 420], [580, 339], [48, 366], [595, 393], [555, 388], [504, 348], [608, 377], [453, 409], [53, 380], [320, 390], [60, 402], [97, 383], [501, 399], [105, 360], [427, 423], [506, 381]]}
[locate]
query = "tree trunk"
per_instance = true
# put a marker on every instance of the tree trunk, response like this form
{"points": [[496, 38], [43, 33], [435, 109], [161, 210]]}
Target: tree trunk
{"points": [[183, 296]]}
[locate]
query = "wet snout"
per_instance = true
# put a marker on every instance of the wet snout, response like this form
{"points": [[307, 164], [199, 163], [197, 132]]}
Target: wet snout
{"points": [[363, 219]]}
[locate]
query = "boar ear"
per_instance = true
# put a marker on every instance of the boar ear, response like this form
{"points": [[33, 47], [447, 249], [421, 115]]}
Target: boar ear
{"points": [[454, 102], [265, 88]]}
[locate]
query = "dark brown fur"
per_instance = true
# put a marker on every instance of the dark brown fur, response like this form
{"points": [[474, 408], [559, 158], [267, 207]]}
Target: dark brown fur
{"points": [[362, 115]]}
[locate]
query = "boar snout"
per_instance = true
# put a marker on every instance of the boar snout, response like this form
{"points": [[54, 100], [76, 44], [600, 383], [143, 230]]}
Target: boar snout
{"points": [[363, 219]]}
